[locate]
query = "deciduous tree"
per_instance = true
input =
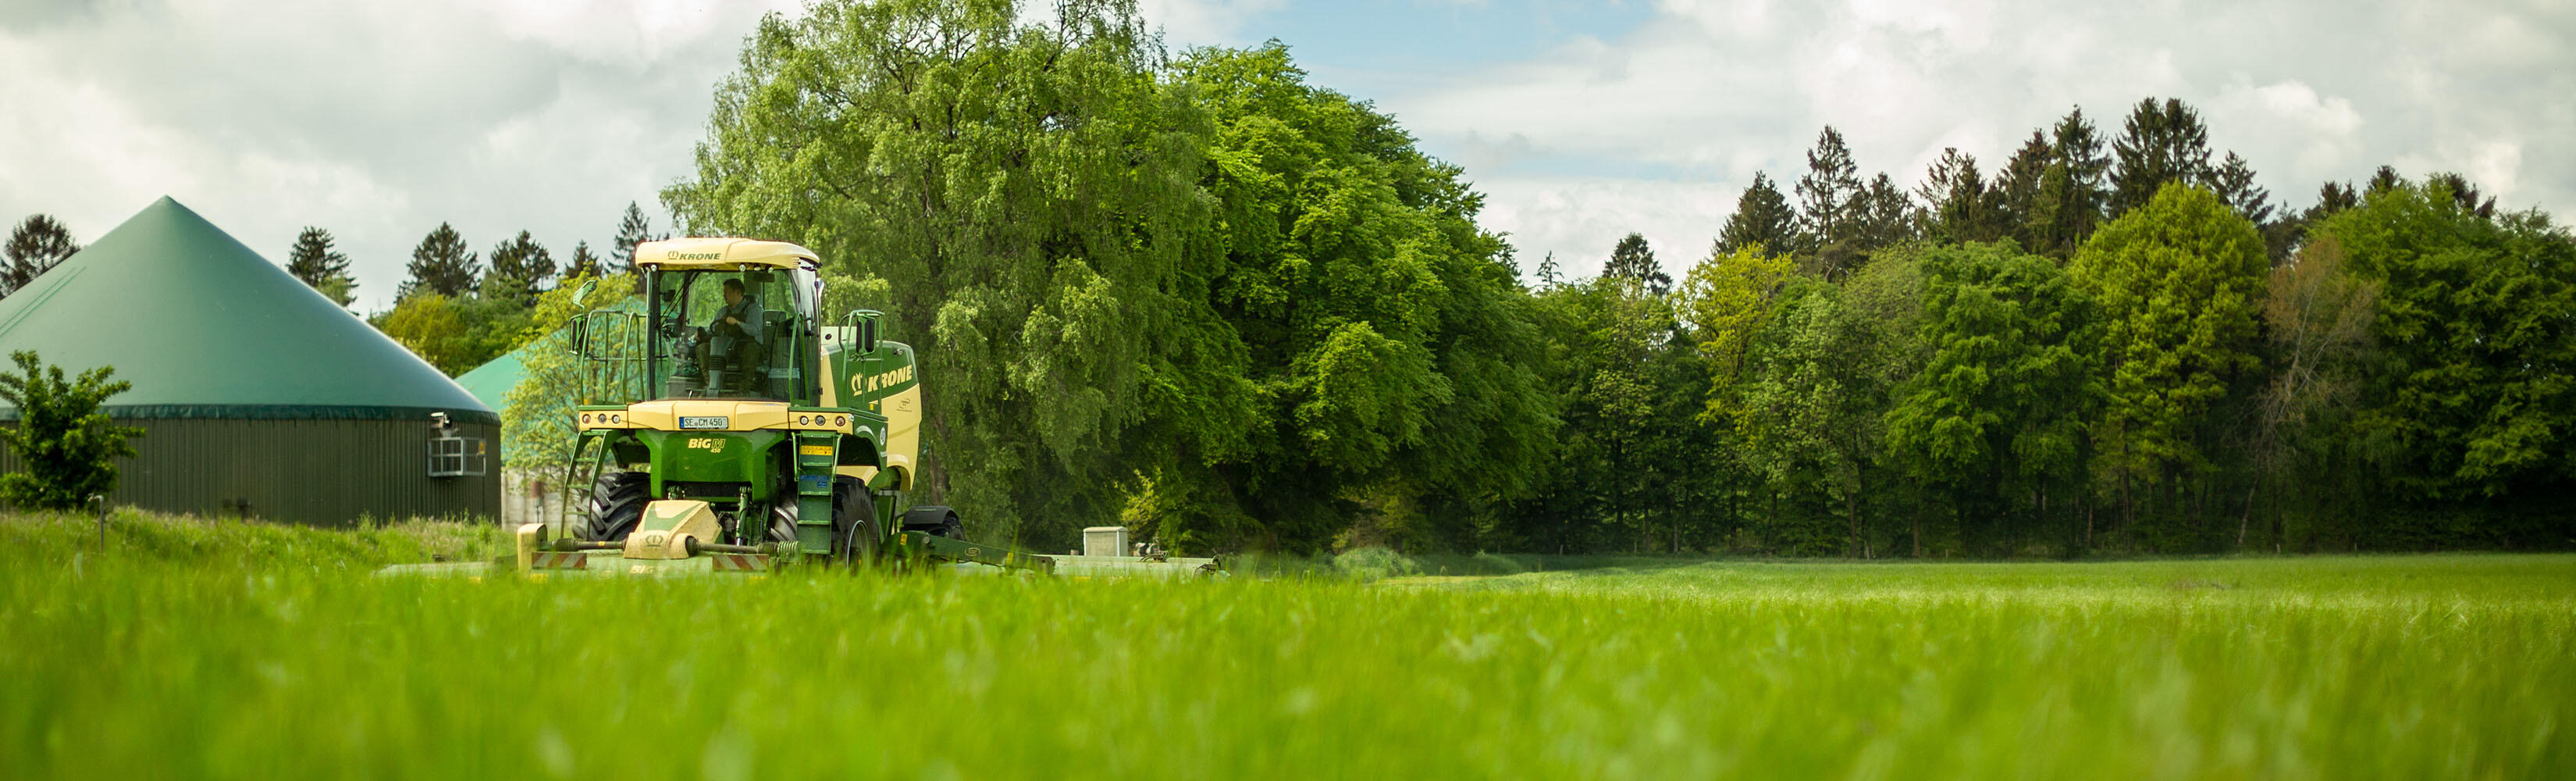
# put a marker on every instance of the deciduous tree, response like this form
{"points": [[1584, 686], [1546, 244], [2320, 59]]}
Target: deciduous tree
{"points": [[2318, 317], [1724, 297], [2178, 283], [2007, 387], [2470, 394]]}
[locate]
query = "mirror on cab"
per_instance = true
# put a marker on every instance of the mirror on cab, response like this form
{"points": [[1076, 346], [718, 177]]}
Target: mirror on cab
{"points": [[864, 330]]}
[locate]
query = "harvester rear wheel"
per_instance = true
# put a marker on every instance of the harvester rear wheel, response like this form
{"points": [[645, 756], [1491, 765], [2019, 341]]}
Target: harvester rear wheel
{"points": [[617, 504], [854, 523]]}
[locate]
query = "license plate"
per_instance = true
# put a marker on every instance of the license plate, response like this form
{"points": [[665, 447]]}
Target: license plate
{"points": [[714, 422]]}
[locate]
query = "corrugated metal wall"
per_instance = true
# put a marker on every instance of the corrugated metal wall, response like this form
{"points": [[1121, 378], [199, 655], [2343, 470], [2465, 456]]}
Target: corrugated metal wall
{"points": [[320, 472]]}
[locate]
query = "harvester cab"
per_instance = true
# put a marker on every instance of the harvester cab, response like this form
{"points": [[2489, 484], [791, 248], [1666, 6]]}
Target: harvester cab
{"points": [[726, 426]]}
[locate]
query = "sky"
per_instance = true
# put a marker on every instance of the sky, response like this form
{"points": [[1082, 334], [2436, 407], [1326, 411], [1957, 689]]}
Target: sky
{"points": [[1580, 121]]}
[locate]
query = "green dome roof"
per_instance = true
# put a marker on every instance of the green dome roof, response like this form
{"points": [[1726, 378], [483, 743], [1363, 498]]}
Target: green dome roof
{"points": [[491, 382], [206, 328]]}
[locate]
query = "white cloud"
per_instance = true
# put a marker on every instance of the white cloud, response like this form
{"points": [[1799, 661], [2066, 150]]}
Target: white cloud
{"points": [[1216, 22], [1579, 219], [2288, 120]]}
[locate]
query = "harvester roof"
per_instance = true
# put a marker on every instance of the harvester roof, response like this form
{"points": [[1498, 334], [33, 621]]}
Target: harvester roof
{"points": [[722, 253], [206, 328]]}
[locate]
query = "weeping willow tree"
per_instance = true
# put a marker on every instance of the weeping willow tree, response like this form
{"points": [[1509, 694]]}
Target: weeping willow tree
{"points": [[1197, 293]]}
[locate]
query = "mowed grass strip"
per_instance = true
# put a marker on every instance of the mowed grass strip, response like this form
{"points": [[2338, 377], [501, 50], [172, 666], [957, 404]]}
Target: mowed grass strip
{"points": [[191, 658]]}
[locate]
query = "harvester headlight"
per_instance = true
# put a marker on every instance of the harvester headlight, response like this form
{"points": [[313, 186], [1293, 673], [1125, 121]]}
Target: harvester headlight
{"points": [[804, 420], [840, 420], [585, 417], [615, 418]]}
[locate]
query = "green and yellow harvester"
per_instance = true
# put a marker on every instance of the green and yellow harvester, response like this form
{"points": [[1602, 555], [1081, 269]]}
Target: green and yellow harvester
{"points": [[748, 435]]}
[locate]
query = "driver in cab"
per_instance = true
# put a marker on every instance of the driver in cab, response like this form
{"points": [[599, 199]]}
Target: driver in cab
{"points": [[734, 318], [734, 330]]}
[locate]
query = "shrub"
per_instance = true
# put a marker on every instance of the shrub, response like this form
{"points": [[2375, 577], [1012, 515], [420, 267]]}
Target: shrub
{"points": [[65, 443]]}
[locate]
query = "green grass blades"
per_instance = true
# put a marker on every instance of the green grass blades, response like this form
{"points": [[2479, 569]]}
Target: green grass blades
{"points": [[251, 651]]}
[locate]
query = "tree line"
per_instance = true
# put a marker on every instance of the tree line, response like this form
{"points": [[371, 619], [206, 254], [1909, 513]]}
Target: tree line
{"points": [[2136, 351], [1197, 293], [459, 309]]}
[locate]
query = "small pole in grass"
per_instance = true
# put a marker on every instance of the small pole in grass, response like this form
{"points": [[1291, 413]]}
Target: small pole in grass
{"points": [[101, 501]]}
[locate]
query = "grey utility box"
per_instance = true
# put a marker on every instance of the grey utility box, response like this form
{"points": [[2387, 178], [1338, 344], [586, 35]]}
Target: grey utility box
{"points": [[1104, 541]]}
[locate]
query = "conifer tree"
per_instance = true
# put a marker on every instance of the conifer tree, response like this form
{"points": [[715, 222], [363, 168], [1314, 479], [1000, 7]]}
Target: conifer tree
{"points": [[1762, 218], [2233, 181], [1831, 205], [2464, 194], [313, 262], [632, 230], [1826, 193], [2332, 197], [520, 268], [2015, 190], [1632, 259], [2071, 192], [2383, 180], [37, 244], [1956, 205], [442, 265], [582, 264], [1883, 216], [2159, 143]]}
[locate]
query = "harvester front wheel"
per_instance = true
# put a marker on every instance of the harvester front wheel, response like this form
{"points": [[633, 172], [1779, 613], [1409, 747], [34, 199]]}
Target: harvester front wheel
{"points": [[854, 524], [617, 504]]}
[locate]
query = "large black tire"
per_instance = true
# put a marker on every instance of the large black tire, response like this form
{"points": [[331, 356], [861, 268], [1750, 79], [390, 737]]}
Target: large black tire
{"points": [[782, 518], [616, 506], [855, 533]]}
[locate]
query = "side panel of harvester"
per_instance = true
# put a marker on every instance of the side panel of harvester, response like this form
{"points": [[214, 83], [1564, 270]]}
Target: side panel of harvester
{"points": [[882, 382]]}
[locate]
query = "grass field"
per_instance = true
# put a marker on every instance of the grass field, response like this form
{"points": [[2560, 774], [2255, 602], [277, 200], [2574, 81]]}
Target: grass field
{"points": [[195, 650]]}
